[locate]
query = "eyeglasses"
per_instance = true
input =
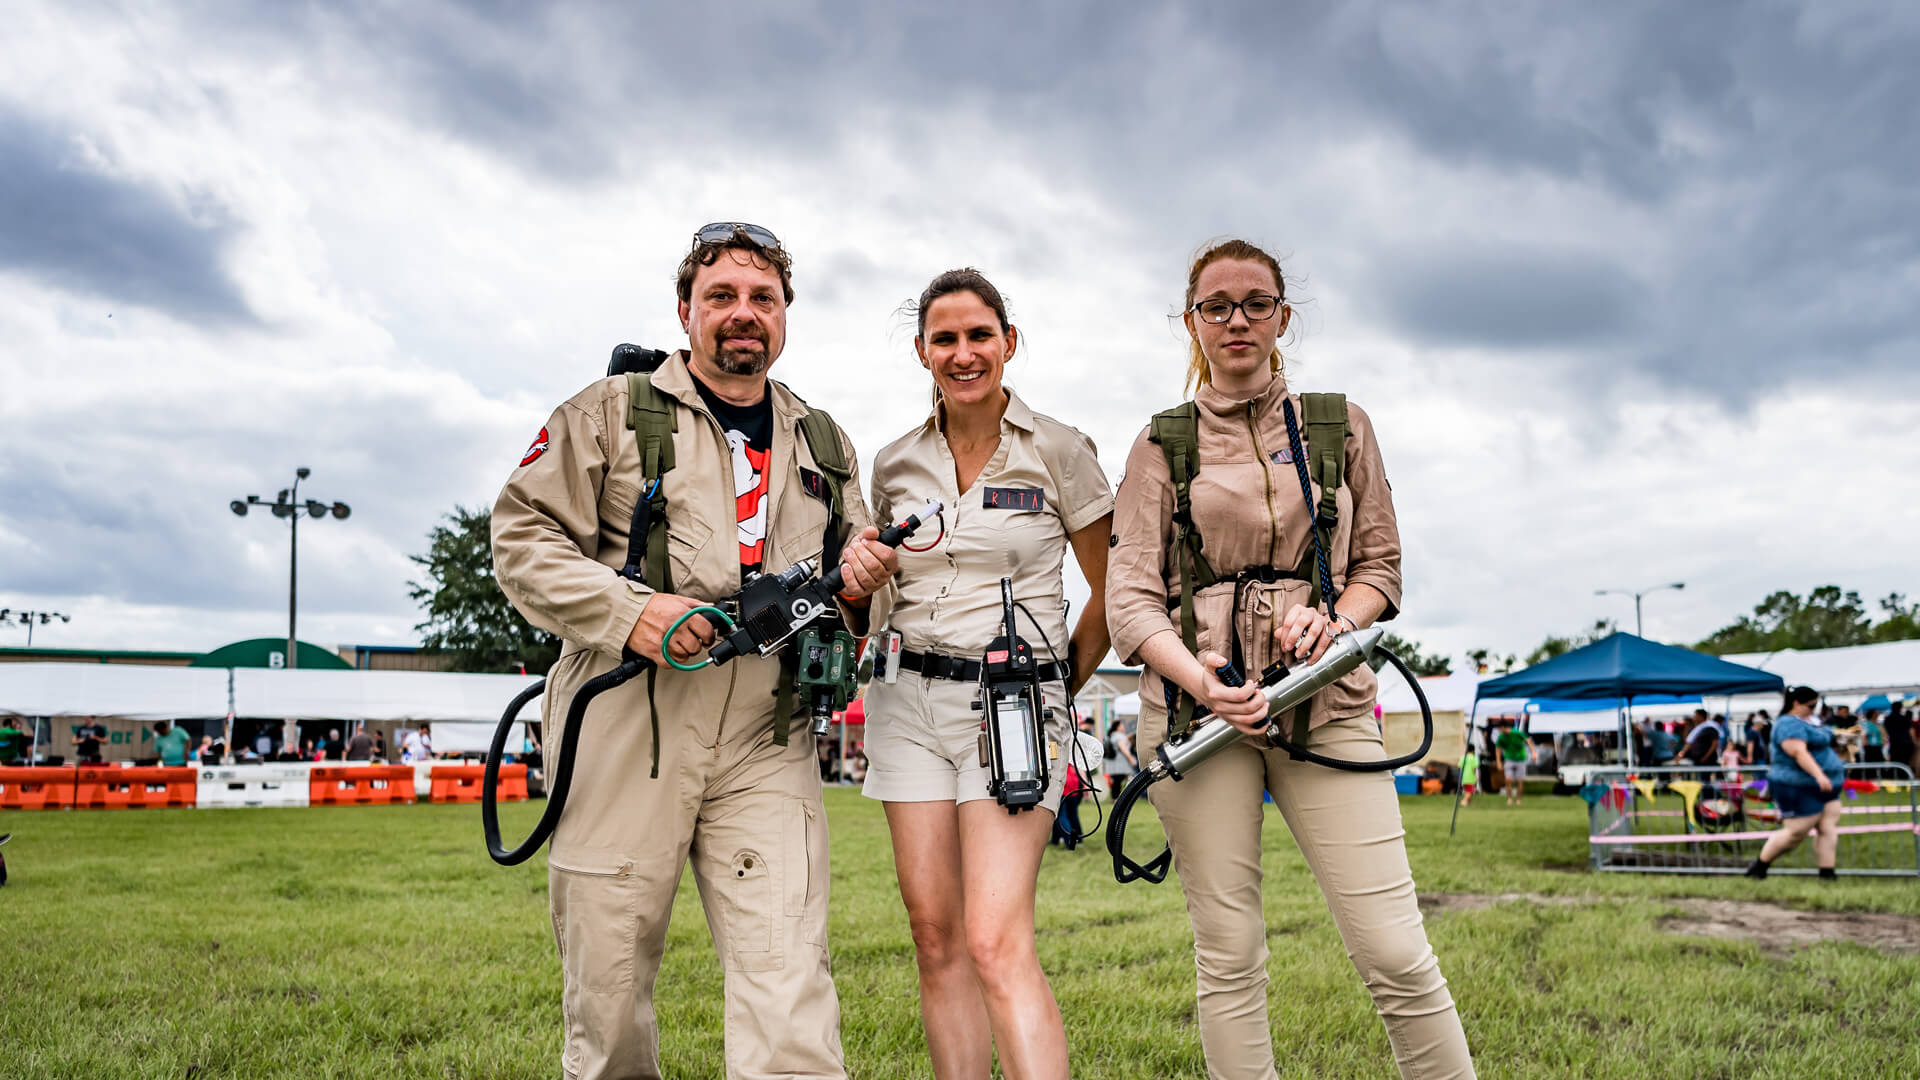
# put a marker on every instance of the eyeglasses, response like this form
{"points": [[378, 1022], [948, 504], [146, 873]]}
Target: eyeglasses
{"points": [[1259, 308], [720, 232]]}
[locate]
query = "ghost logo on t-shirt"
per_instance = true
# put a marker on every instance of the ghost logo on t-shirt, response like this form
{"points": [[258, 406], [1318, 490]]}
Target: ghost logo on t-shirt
{"points": [[750, 498]]}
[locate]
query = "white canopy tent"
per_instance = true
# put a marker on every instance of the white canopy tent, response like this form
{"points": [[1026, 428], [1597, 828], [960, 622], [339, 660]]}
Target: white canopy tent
{"points": [[415, 696], [1846, 675], [463, 708], [148, 692], [138, 692]]}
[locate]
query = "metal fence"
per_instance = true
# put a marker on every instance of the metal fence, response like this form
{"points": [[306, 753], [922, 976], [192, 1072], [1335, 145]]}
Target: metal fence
{"points": [[1714, 821]]}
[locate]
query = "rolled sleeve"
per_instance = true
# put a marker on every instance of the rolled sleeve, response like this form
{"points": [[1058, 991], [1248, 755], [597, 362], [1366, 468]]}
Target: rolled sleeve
{"points": [[1374, 551], [544, 523], [1137, 563]]}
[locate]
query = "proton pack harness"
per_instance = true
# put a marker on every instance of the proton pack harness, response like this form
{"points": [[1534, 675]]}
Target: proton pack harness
{"points": [[769, 609], [1191, 737]]}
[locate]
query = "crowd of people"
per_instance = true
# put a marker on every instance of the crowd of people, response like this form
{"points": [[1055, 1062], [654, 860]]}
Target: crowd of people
{"points": [[170, 744]]}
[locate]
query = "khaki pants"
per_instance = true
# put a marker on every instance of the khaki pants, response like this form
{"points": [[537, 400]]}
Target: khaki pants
{"points": [[1348, 827], [749, 816]]}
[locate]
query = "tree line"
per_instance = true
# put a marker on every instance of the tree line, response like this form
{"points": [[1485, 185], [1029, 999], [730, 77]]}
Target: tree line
{"points": [[469, 620]]}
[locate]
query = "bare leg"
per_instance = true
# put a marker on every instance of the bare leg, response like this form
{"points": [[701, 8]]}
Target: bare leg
{"points": [[1791, 832], [1001, 856], [926, 857], [1826, 838]]}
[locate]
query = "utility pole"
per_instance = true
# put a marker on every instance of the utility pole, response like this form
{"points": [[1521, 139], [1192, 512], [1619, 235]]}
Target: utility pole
{"points": [[28, 618], [288, 505], [1636, 599]]}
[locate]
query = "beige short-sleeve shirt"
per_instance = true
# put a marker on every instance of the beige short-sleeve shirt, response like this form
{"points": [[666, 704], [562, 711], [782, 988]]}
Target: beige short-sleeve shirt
{"points": [[1043, 484]]}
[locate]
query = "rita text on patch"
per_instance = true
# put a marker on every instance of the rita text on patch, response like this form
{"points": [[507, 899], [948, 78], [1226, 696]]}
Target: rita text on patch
{"points": [[994, 498]]}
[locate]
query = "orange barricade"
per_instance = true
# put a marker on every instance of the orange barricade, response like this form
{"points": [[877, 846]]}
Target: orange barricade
{"points": [[461, 783], [360, 785], [38, 787], [111, 788]]}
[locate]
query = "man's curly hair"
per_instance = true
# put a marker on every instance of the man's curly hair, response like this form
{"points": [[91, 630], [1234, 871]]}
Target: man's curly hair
{"points": [[704, 254]]}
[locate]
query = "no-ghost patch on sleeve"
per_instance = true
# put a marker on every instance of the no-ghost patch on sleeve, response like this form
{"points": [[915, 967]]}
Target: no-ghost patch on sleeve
{"points": [[539, 447]]}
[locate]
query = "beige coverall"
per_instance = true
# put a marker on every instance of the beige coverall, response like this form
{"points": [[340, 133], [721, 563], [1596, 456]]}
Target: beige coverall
{"points": [[747, 812], [1249, 510], [1041, 486]]}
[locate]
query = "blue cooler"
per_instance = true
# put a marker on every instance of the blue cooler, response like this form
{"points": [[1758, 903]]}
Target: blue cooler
{"points": [[1406, 783]]}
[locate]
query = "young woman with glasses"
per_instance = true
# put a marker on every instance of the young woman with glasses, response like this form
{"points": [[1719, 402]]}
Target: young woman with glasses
{"points": [[1255, 524], [1021, 488]]}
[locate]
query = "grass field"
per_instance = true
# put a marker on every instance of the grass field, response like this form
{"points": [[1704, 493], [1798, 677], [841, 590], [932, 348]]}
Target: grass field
{"points": [[380, 942]]}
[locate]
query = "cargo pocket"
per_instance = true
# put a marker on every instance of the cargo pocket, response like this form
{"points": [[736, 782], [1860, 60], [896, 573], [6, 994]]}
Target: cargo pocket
{"points": [[595, 922], [1262, 607], [747, 907], [806, 879], [687, 535]]}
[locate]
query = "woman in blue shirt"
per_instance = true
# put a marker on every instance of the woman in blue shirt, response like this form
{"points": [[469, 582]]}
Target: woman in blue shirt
{"points": [[1804, 781]]}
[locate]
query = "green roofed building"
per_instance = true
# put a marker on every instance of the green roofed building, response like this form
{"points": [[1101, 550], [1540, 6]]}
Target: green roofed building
{"points": [[266, 652]]}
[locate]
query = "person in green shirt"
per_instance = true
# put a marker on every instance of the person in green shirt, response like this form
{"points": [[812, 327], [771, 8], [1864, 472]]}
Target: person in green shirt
{"points": [[171, 741], [1469, 776], [1512, 744], [15, 744]]}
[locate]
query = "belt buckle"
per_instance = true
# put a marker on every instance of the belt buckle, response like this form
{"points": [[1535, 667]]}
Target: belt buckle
{"points": [[956, 668]]}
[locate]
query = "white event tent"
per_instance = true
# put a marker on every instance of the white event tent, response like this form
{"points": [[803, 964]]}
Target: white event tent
{"points": [[1846, 675], [463, 708]]}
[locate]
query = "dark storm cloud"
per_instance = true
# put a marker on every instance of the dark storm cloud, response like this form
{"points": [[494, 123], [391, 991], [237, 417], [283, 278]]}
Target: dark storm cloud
{"points": [[1510, 299], [64, 221], [1770, 146]]}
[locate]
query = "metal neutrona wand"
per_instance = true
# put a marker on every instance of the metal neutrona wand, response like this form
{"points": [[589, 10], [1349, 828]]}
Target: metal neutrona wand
{"points": [[1283, 689]]}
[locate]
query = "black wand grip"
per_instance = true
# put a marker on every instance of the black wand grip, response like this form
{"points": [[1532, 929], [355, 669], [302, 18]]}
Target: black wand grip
{"points": [[1229, 675], [833, 582]]}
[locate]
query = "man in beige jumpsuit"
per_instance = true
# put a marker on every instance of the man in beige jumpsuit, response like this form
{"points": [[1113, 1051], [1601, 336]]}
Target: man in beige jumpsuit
{"points": [[745, 810]]}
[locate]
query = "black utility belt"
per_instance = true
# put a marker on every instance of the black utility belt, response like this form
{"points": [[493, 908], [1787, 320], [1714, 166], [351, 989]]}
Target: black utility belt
{"points": [[935, 666]]}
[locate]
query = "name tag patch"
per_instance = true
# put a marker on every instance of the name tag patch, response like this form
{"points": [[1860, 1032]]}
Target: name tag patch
{"points": [[813, 483], [994, 498]]}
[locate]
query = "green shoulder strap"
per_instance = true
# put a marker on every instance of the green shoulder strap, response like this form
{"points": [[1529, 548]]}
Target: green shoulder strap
{"points": [[1326, 420], [1177, 431], [1325, 416], [651, 418], [823, 442]]}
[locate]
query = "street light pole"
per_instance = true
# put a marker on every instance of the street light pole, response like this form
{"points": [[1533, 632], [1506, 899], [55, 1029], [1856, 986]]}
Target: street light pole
{"points": [[1636, 599], [27, 619], [288, 505]]}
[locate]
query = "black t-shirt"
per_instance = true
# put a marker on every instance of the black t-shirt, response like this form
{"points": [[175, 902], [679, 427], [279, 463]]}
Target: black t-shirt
{"points": [[749, 430], [91, 736]]}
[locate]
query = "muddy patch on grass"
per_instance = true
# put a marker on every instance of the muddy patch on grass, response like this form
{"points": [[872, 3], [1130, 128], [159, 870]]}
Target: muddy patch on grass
{"points": [[1769, 925], [1779, 927], [1440, 903]]}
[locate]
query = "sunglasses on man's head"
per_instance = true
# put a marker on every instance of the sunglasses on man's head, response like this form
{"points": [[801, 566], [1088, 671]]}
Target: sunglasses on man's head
{"points": [[720, 232]]}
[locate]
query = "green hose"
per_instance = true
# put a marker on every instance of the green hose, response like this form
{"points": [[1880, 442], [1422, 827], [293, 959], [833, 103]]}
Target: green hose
{"points": [[704, 609]]}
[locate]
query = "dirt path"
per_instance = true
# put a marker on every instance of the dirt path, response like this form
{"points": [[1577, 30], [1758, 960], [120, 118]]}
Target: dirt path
{"points": [[1766, 924]]}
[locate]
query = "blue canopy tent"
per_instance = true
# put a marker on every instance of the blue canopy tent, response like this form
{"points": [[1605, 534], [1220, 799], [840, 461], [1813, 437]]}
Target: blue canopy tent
{"points": [[1623, 668]]}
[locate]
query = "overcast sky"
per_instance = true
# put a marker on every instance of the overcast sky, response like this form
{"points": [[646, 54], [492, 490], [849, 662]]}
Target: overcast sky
{"points": [[1632, 291]]}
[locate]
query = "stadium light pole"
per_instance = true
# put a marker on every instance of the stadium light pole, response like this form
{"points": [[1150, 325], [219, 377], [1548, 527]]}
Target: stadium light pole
{"points": [[288, 505], [27, 619], [1636, 599]]}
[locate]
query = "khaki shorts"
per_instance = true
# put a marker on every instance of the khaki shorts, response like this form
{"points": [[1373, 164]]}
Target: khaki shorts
{"points": [[923, 741]]}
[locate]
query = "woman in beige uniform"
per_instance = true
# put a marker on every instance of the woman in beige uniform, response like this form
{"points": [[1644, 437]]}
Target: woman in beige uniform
{"points": [[1249, 509], [1020, 487]]}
